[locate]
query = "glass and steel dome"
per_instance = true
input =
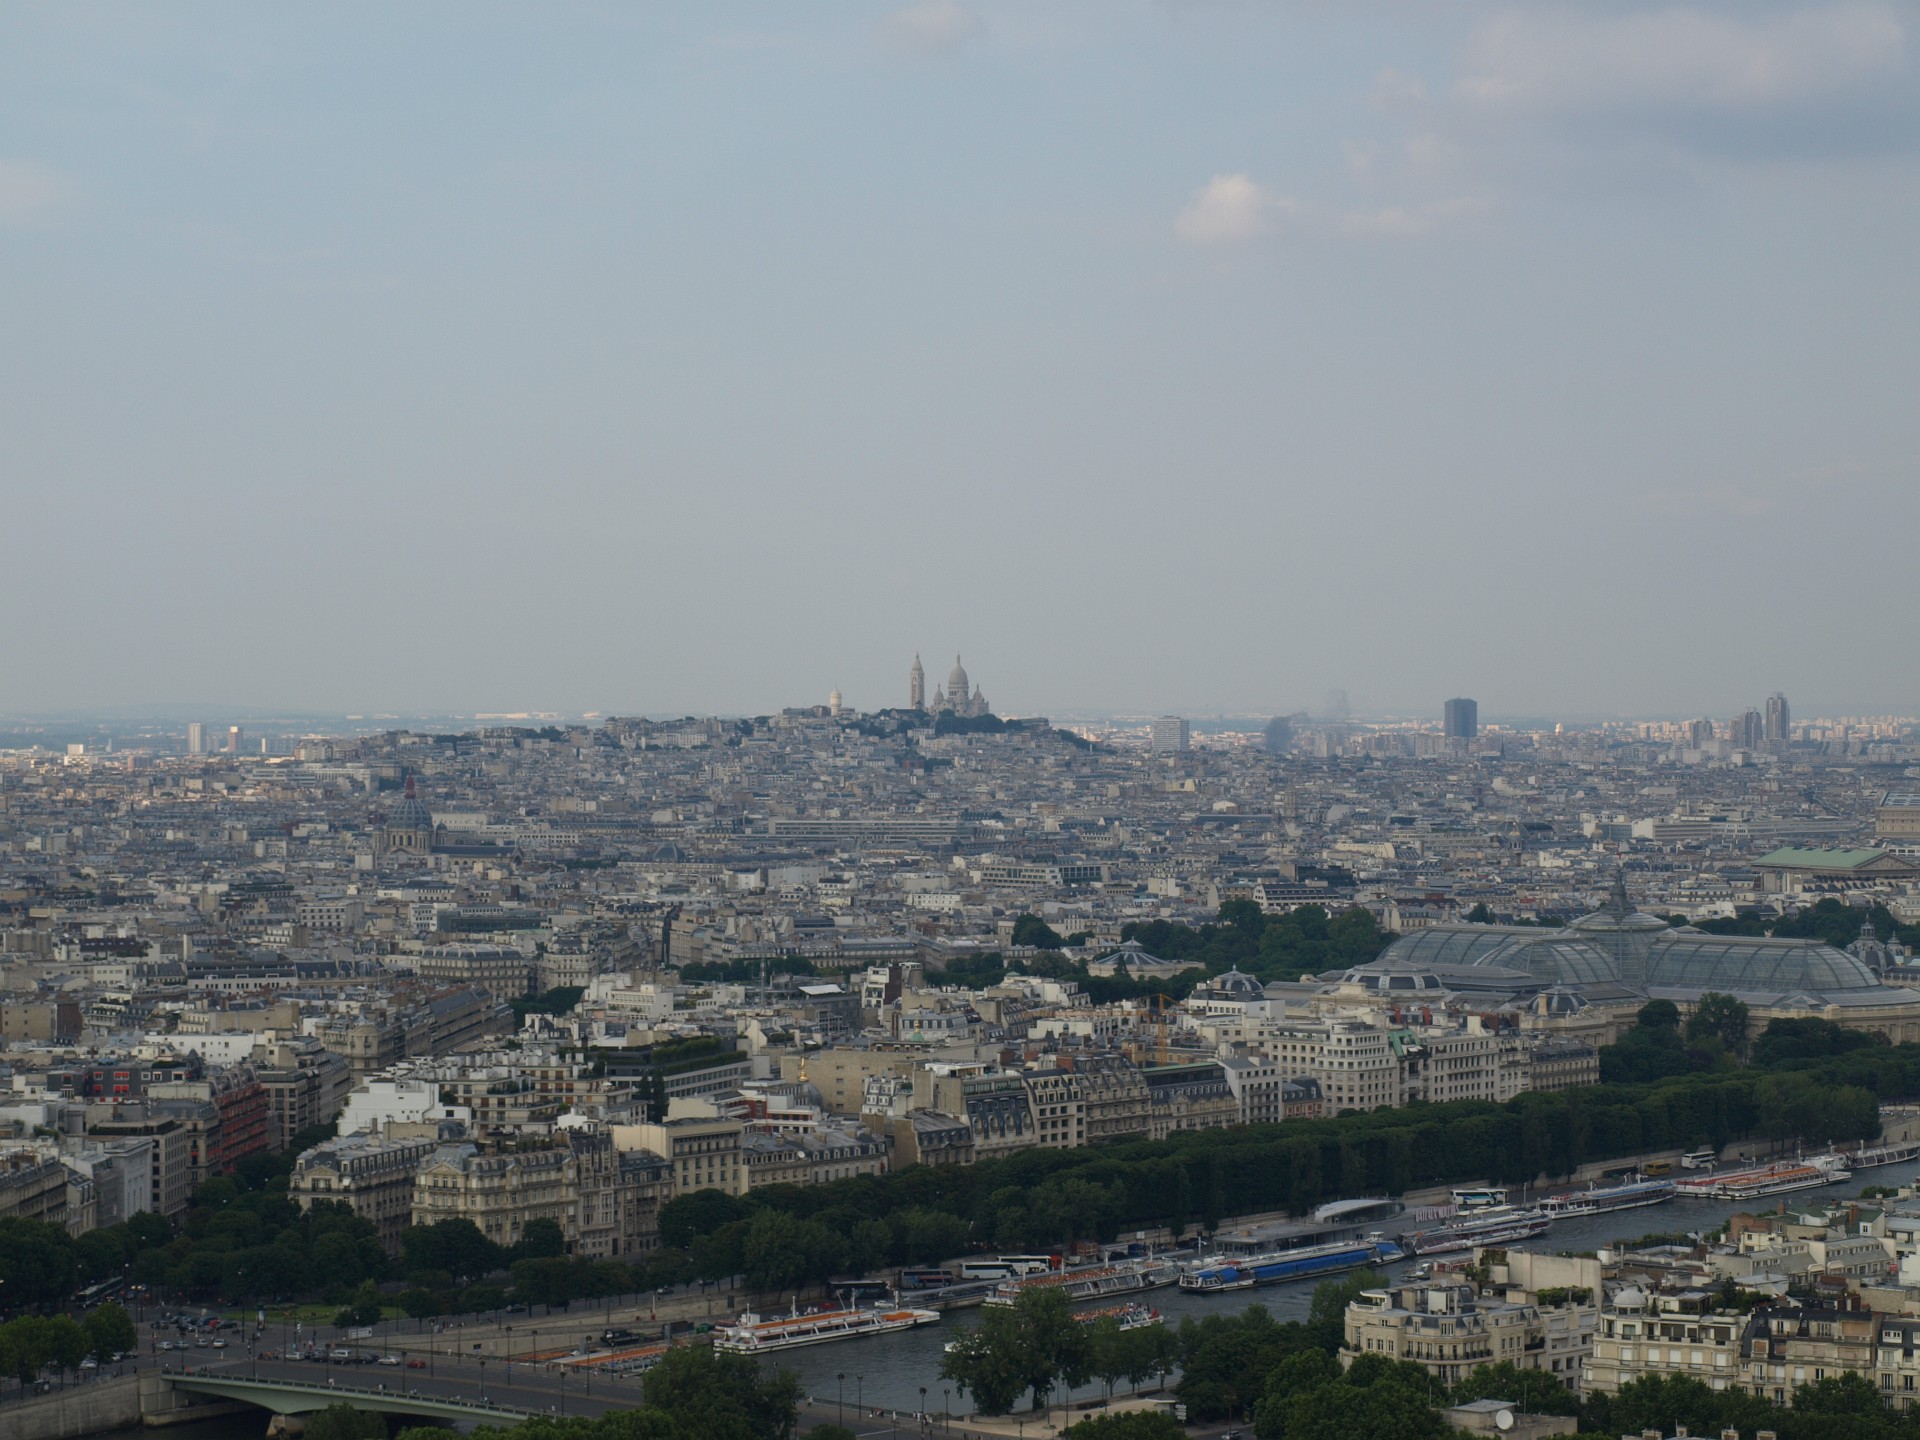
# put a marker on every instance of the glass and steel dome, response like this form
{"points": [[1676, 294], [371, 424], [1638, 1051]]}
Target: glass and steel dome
{"points": [[1692, 961], [1555, 957], [1448, 946], [1618, 945], [1626, 935]]}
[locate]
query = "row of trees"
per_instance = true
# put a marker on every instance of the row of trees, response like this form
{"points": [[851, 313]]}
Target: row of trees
{"points": [[1037, 1344], [1044, 1196], [30, 1344], [1715, 1038]]}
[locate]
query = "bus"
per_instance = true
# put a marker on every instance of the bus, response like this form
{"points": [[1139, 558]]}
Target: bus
{"points": [[985, 1270], [105, 1290], [1030, 1264], [925, 1279]]}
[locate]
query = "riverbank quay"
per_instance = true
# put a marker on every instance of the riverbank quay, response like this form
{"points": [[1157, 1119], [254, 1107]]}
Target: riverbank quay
{"points": [[146, 1400]]}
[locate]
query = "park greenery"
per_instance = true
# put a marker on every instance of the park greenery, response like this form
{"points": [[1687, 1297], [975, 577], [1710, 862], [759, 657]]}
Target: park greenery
{"points": [[1305, 941], [557, 1001], [30, 1344], [1715, 1038]]}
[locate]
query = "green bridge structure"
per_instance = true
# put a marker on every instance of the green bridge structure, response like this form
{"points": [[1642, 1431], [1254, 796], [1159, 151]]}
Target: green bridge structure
{"points": [[295, 1397]]}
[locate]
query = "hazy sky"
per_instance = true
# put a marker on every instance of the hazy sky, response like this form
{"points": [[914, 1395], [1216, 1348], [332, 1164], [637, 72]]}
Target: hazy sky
{"points": [[1190, 355]]}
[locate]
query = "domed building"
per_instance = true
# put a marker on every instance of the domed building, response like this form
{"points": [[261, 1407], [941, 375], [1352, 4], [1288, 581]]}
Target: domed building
{"points": [[957, 697], [1618, 958], [408, 828]]}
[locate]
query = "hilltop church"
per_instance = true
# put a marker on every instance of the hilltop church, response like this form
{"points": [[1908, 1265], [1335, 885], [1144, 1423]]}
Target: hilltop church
{"points": [[957, 698]]}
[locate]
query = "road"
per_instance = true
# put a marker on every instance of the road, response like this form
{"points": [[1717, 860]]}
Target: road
{"points": [[514, 1386]]}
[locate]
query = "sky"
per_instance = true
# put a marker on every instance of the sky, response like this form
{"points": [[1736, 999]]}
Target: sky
{"points": [[1187, 356]]}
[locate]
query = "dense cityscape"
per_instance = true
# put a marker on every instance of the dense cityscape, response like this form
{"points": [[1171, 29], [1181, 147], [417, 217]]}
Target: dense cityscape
{"points": [[959, 720], [525, 1015]]}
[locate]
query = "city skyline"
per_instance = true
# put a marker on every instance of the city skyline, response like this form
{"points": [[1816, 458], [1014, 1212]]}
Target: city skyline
{"points": [[478, 360]]}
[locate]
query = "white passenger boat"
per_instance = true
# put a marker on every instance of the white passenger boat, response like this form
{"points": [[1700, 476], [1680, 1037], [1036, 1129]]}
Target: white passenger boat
{"points": [[753, 1334], [1603, 1199]]}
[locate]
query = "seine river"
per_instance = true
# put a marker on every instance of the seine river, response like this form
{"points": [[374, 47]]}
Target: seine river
{"points": [[888, 1371]]}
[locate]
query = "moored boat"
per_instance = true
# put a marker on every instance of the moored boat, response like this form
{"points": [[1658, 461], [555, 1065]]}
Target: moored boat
{"points": [[1778, 1178], [753, 1334], [1092, 1282], [1496, 1225], [1602, 1199], [1274, 1267]]}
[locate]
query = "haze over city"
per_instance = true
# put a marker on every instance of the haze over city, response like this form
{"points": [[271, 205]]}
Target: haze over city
{"points": [[1191, 357]]}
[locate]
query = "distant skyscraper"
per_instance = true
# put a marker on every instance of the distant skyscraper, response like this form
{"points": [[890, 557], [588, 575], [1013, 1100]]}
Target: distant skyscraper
{"points": [[1699, 734], [1279, 735], [235, 738], [196, 738], [1462, 719], [1170, 735], [916, 686], [1749, 731], [1779, 722]]}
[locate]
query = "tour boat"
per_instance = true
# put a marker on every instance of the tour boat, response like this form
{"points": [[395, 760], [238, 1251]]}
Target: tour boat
{"points": [[1273, 1267], [753, 1334], [1091, 1282], [1774, 1179], [1870, 1157], [1495, 1225], [1602, 1199]]}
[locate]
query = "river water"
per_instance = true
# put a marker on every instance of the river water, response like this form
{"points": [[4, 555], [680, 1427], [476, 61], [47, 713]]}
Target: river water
{"points": [[888, 1372]]}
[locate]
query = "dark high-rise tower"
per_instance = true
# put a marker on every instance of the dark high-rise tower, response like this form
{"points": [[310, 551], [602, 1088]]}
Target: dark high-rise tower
{"points": [[1462, 719], [1779, 719]]}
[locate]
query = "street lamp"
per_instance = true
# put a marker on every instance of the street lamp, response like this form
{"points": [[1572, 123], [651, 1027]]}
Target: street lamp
{"points": [[859, 1396], [923, 1409], [840, 1396], [946, 1406], [483, 1379], [563, 1390]]}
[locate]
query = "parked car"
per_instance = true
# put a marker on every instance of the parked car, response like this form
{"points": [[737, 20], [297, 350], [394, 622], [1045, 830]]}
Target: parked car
{"points": [[416, 1363]]}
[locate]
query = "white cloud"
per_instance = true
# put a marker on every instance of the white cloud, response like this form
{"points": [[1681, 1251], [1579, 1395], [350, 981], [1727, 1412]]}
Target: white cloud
{"points": [[931, 27], [1563, 60], [30, 194], [1228, 208]]}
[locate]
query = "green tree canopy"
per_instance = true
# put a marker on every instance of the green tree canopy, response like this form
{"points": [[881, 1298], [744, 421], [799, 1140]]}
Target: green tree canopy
{"points": [[1032, 930], [1658, 1015], [343, 1422], [109, 1330], [1720, 1017]]}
